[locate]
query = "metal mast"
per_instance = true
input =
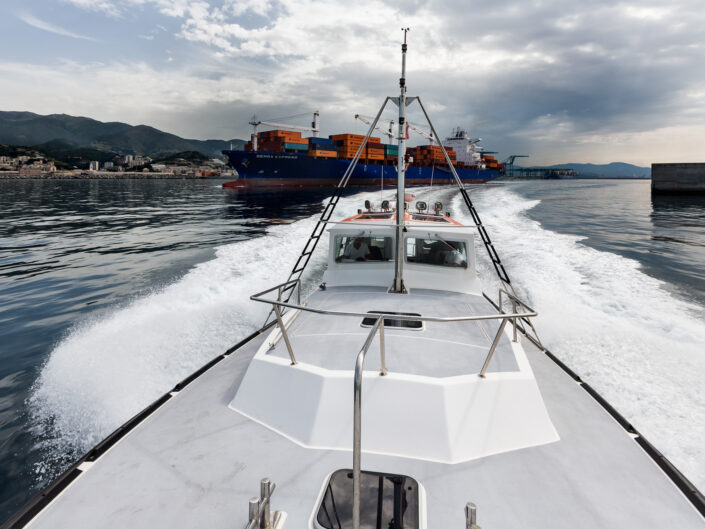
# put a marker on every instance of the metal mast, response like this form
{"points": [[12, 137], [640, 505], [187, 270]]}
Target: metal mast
{"points": [[401, 204]]}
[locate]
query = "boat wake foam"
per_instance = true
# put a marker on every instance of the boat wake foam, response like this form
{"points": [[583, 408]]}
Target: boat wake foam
{"points": [[621, 330]]}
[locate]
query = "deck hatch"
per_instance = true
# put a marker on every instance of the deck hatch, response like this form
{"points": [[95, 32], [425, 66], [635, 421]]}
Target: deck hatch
{"points": [[386, 500], [393, 322]]}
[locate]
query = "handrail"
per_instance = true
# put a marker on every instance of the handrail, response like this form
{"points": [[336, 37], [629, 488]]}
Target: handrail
{"points": [[513, 298], [516, 301], [410, 224], [278, 313], [357, 417], [404, 317]]}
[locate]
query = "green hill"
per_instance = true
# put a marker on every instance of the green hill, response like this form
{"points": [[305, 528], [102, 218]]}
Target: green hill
{"points": [[192, 157], [71, 155], [27, 128]]}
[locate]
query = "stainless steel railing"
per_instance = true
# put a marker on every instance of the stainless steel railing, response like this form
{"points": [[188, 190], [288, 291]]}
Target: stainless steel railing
{"points": [[401, 317], [516, 302], [278, 304], [276, 307], [357, 414]]}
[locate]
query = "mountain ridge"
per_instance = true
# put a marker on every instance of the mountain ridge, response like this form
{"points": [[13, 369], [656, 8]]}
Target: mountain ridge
{"points": [[607, 170], [28, 128]]}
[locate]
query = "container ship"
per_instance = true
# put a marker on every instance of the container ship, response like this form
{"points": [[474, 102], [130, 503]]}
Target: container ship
{"points": [[286, 158]]}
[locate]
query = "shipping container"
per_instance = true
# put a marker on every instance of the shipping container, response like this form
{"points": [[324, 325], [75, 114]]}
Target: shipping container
{"points": [[354, 137], [322, 154], [320, 141], [322, 147], [296, 146]]}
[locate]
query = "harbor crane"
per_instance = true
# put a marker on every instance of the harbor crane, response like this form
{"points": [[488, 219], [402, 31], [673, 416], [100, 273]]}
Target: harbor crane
{"points": [[367, 120], [509, 163], [314, 128], [421, 132]]}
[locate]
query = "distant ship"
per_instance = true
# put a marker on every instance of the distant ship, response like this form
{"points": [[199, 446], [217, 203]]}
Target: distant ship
{"points": [[285, 158]]}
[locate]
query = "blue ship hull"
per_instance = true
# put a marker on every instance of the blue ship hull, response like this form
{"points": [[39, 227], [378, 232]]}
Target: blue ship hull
{"points": [[263, 168]]}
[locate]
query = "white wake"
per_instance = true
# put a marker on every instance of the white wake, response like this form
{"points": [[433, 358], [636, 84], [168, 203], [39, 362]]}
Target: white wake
{"points": [[640, 346]]}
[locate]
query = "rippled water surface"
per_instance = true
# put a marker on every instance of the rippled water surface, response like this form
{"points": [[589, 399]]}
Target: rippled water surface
{"points": [[112, 291], [71, 254]]}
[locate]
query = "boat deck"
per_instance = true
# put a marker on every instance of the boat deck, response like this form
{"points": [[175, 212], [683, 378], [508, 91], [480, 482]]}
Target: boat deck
{"points": [[195, 463]]}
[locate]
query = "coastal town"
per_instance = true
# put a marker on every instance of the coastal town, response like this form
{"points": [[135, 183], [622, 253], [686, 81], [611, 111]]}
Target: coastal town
{"points": [[34, 164]]}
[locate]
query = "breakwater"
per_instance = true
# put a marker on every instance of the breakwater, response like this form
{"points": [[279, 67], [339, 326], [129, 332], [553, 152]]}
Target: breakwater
{"points": [[678, 178]]}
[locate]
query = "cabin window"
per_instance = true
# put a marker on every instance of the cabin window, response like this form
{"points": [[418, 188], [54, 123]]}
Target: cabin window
{"points": [[438, 252], [393, 322], [352, 248]]}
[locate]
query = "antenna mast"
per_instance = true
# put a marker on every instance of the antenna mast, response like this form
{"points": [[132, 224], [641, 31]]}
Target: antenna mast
{"points": [[398, 286]]}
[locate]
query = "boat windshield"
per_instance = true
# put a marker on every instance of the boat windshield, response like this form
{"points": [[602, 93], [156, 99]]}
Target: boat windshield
{"points": [[353, 248], [439, 252]]}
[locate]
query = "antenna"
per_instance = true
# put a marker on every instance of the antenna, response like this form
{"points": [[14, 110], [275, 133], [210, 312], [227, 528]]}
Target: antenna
{"points": [[398, 286]]}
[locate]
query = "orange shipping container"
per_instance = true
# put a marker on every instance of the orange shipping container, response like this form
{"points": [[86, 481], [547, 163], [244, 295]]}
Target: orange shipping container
{"points": [[322, 154], [358, 137]]}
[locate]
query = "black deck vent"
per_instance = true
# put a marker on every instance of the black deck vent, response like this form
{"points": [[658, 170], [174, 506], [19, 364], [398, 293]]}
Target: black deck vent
{"points": [[393, 322]]}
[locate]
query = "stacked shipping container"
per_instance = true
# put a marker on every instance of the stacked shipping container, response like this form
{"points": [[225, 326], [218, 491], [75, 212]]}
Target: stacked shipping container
{"points": [[280, 141], [321, 148], [490, 162], [348, 145], [345, 146], [428, 155]]}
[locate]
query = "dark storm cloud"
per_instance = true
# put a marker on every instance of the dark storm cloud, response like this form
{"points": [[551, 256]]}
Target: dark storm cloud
{"points": [[609, 67]]}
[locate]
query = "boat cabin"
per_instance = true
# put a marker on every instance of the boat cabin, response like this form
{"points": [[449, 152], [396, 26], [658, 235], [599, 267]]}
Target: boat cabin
{"points": [[438, 251]]}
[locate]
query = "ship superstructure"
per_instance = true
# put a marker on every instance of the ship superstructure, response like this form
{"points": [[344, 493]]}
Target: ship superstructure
{"points": [[467, 149]]}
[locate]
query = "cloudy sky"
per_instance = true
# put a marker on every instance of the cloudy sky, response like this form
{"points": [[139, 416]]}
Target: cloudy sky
{"points": [[589, 81]]}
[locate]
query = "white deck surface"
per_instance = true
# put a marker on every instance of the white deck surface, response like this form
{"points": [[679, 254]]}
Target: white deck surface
{"points": [[195, 463]]}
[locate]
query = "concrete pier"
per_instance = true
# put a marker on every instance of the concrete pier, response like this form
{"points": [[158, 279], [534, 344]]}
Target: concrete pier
{"points": [[678, 178]]}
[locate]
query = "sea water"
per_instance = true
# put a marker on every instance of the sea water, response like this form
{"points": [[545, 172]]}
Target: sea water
{"points": [[113, 291]]}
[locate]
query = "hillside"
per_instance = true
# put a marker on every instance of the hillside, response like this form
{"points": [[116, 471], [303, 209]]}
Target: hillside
{"points": [[27, 128], [70, 153], [187, 157]]}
